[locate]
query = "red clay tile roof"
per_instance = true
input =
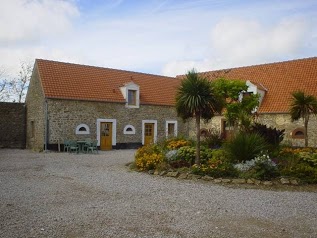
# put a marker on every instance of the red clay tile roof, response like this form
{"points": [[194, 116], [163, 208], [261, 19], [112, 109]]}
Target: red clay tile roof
{"points": [[74, 81], [280, 79]]}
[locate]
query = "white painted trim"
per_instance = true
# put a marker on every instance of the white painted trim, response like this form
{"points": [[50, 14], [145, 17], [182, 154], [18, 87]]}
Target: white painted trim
{"points": [[155, 129], [124, 91], [114, 130], [175, 127], [125, 132], [78, 132]]}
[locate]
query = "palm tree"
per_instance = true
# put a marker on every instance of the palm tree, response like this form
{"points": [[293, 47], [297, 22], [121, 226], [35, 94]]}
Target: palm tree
{"points": [[301, 107], [195, 98]]}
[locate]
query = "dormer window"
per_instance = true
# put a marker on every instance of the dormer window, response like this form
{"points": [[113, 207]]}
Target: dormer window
{"points": [[256, 89], [246, 94], [131, 94]]}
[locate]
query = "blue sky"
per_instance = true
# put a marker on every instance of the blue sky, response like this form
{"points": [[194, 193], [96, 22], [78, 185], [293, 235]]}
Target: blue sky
{"points": [[166, 37]]}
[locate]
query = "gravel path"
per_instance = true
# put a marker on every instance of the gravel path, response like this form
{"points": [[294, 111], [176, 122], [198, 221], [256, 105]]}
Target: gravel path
{"points": [[62, 195]]}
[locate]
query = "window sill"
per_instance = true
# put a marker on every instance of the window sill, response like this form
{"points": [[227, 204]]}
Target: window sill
{"points": [[132, 106]]}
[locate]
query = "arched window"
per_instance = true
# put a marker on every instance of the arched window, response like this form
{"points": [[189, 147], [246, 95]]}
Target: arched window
{"points": [[129, 130], [82, 129], [298, 133], [203, 132]]}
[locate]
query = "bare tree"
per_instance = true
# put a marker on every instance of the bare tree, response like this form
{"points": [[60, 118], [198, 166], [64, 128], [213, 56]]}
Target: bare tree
{"points": [[5, 86], [3, 81], [21, 83]]}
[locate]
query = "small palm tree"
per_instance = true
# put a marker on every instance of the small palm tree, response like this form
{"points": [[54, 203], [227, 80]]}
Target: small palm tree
{"points": [[195, 98], [302, 106]]}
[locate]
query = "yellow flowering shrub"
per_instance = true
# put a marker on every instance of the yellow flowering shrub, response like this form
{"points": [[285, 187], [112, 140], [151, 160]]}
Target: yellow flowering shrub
{"points": [[148, 157], [215, 168], [148, 161], [290, 150], [173, 144]]}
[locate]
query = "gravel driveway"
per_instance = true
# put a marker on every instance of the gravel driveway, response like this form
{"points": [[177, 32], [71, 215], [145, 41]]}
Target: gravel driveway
{"points": [[63, 195]]}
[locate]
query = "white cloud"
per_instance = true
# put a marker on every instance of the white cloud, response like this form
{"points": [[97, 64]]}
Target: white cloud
{"points": [[142, 37], [242, 39], [22, 21], [15, 56], [238, 42]]}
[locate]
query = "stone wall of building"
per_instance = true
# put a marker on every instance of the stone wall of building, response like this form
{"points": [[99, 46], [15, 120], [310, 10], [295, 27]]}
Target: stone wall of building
{"points": [[283, 121], [35, 116], [65, 115], [279, 121], [12, 125], [214, 123]]}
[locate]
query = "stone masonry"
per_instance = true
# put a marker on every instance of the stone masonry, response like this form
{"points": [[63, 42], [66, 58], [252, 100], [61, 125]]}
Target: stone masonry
{"points": [[279, 121], [35, 116], [65, 115], [12, 125]]}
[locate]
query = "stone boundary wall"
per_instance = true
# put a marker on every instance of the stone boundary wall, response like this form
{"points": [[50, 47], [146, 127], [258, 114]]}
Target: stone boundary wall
{"points": [[12, 125]]}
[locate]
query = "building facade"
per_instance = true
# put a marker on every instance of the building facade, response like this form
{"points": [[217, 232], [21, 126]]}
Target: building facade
{"points": [[274, 82], [132, 114], [124, 109]]}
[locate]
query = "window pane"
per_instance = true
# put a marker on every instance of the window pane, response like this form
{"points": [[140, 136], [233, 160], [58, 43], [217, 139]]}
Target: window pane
{"points": [[148, 130], [82, 129], [131, 97], [170, 129]]}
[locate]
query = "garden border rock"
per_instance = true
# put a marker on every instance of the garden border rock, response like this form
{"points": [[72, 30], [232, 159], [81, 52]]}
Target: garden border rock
{"points": [[234, 181]]}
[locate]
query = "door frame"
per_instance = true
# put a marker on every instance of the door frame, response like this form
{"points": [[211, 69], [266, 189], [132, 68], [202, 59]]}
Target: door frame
{"points": [[227, 134], [155, 129], [114, 130]]}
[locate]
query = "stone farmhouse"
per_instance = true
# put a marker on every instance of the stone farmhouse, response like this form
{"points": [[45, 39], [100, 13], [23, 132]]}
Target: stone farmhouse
{"points": [[123, 109], [274, 82], [120, 109]]}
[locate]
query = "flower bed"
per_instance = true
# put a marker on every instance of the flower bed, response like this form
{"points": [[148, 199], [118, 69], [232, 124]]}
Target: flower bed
{"points": [[289, 165]]}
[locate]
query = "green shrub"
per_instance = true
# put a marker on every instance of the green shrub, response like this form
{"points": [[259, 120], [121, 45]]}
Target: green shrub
{"points": [[305, 172], [272, 136], [287, 160], [215, 168], [310, 158], [220, 154], [261, 167], [187, 153], [216, 165], [205, 154], [243, 146]]}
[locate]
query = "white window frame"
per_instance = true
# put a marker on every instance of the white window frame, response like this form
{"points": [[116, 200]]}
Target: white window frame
{"points": [[155, 129], [78, 132], [125, 92], [175, 127], [114, 130], [125, 132]]}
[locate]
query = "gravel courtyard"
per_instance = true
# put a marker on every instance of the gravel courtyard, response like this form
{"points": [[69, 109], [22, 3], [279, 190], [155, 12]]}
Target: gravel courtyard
{"points": [[67, 195]]}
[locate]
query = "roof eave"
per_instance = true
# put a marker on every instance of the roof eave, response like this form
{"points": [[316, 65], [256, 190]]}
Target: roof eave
{"points": [[84, 99]]}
